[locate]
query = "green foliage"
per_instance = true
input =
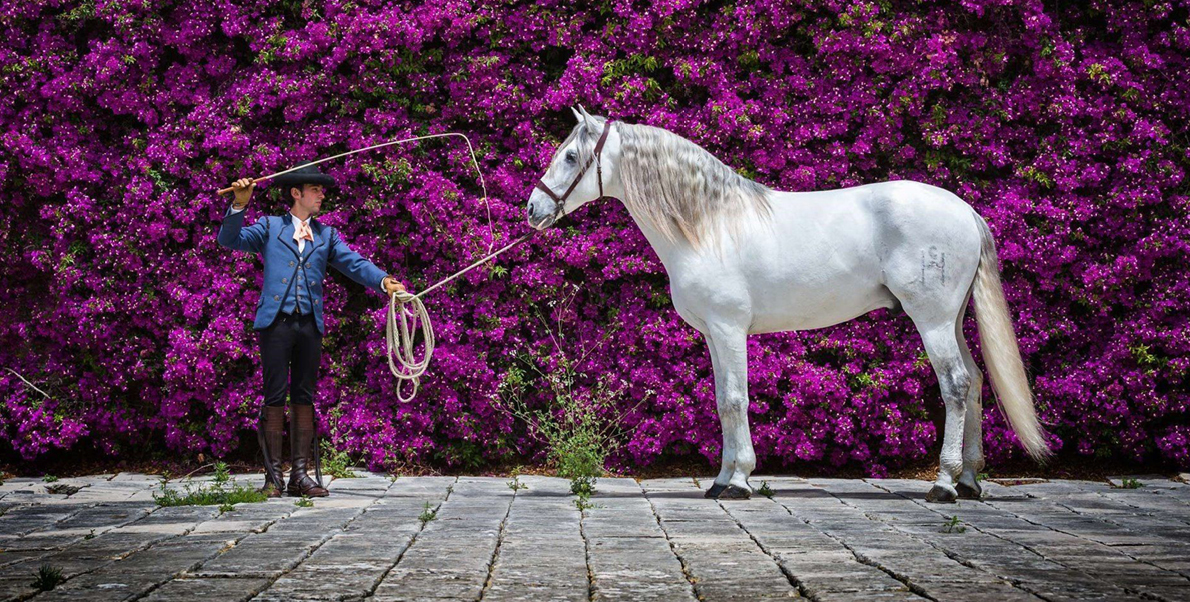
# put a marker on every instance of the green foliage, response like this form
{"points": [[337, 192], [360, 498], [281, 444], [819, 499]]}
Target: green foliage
{"points": [[1130, 483], [953, 525], [582, 486], [581, 427], [765, 490], [49, 478], [516, 485], [337, 463], [304, 502], [221, 490], [48, 577], [428, 514]]}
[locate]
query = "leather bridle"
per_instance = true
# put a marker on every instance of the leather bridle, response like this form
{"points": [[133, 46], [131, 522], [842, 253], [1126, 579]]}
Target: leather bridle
{"points": [[560, 201]]}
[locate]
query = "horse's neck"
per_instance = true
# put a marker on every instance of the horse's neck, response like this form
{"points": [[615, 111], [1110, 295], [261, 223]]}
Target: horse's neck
{"points": [[669, 252]]}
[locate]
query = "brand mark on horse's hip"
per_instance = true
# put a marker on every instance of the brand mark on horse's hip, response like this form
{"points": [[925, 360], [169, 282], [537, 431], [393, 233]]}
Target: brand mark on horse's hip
{"points": [[932, 260]]}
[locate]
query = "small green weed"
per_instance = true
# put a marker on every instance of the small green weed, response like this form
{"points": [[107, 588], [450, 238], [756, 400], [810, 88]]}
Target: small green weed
{"points": [[49, 478], [48, 577], [953, 525], [337, 463], [765, 490], [428, 514], [583, 503], [226, 507], [90, 535], [1130, 483], [582, 486], [516, 485], [220, 491], [305, 502], [574, 414]]}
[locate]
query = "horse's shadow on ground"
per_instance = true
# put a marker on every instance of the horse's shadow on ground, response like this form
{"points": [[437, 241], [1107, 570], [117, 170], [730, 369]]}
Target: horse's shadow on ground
{"points": [[778, 494]]}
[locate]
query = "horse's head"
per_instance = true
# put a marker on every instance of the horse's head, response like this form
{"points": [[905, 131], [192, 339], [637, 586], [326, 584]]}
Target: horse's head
{"points": [[576, 174]]}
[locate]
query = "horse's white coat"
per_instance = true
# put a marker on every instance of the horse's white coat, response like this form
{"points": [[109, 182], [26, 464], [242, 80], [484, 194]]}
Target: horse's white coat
{"points": [[797, 261]]}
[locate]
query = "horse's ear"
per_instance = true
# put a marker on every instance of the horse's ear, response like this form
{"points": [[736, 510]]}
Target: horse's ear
{"points": [[592, 123], [577, 116]]}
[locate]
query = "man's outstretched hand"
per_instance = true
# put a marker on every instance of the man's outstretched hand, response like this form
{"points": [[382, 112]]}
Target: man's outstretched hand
{"points": [[393, 287]]}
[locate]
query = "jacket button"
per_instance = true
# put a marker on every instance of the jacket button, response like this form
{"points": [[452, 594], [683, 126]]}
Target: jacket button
{"points": [[291, 264], [317, 301], [284, 281], [276, 297]]}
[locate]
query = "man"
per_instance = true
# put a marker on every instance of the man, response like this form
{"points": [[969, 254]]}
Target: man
{"points": [[296, 250]]}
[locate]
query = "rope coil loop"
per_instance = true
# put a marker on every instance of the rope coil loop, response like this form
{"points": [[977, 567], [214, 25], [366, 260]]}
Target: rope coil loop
{"points": [[406, 311]]}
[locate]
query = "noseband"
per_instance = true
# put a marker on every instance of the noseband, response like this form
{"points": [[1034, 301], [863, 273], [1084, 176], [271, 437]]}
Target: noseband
{"points": [[560, 201]]}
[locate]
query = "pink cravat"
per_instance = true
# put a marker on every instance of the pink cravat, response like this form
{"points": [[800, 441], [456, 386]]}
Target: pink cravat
{"points": [[302, 231]]}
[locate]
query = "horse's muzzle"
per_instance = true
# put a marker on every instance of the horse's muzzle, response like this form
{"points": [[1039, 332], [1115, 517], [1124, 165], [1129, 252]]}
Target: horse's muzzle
{"points": [[540, 216]]}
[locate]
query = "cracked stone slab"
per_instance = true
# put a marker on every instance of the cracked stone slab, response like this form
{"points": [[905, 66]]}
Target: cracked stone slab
{"points": [[822, 539]]}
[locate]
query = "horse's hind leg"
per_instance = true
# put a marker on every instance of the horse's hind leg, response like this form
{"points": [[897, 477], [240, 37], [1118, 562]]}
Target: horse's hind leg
{"points": [[954, 377], [729, 358], [968, 485]]}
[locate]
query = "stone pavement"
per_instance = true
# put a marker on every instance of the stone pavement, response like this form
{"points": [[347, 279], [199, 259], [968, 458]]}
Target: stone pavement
{"points": [[822, 539]]}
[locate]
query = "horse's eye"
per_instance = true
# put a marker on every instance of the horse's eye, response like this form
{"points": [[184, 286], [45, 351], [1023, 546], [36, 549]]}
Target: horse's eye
{"points": [[570, 157]]}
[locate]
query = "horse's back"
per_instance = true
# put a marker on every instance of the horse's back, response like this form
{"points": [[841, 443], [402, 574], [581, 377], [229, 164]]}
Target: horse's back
{"points": [[838, 254]]}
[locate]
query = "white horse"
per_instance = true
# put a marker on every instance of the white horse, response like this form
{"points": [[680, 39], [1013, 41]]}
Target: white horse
{"points": [[745, 259]]}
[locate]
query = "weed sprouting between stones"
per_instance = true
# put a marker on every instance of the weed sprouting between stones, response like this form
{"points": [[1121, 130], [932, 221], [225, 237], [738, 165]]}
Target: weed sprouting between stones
{"points": [[516, 485], [581, 427], [48, 577], [49, 478], [428, 514], [336, 462], [1130, 483], [953, 525], [221, 490], [765, 490], [304, 502]]}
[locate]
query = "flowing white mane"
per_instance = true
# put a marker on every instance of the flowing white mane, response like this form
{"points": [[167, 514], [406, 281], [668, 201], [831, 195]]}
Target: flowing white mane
{"points": [[681, 189]]}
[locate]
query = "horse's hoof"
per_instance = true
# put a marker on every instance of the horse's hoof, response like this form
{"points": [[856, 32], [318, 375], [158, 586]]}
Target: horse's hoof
{"points": [[736, 493], [714, 492], [968, 492], [941, 495]]}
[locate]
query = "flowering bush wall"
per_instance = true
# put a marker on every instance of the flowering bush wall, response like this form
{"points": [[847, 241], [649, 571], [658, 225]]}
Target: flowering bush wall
{"points": [[1063, 123]]}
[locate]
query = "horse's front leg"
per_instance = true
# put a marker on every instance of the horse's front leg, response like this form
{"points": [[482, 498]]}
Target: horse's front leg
{"points": [[729, 359]]}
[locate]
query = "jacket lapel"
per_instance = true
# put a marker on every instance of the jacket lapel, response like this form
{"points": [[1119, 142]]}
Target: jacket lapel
{"points": [[316, 230], [286, 235]]}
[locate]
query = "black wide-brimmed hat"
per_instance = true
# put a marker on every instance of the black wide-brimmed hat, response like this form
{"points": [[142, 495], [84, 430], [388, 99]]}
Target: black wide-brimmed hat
{"points": [[306, 175]]}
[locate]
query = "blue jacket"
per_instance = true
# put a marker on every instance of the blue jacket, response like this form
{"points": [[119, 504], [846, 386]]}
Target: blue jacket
{"points": [[285, 268]]}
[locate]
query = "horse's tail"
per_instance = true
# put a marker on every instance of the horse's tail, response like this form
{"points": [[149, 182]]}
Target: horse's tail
{"points": [[1001, 353]]}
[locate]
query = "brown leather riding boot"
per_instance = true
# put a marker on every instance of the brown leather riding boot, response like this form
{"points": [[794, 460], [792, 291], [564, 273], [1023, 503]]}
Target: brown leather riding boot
{"points": [[300, 440], [269, 433]]}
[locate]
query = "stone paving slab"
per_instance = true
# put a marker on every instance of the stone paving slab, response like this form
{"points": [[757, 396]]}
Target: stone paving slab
{"points": [[380, 538]]}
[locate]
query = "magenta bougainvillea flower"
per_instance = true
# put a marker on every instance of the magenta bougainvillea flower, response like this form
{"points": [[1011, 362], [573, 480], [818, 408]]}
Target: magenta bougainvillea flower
{"points": [[1065, 125]]}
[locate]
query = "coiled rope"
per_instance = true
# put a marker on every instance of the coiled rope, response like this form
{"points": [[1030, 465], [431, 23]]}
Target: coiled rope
{"points": [[406, 315]]}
